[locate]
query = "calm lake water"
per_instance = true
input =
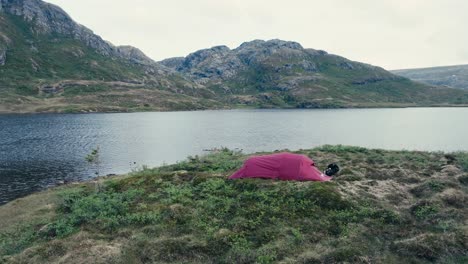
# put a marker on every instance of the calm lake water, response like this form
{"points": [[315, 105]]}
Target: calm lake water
{"points": [[39, 151]]}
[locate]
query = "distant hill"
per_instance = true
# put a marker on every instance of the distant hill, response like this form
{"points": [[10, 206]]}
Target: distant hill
{"points": [[50, 63], [450, 76], [283, 73]]}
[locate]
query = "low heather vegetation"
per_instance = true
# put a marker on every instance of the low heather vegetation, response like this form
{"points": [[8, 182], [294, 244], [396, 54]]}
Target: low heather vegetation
{"points": [[385, 206]]}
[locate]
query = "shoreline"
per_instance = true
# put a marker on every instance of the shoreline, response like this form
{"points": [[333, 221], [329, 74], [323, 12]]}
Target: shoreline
{"points": [[129, 111]]}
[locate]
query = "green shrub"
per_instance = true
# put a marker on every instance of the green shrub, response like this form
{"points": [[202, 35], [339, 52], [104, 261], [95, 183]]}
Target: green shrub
{"points": [[26, 90], [104, 210], [424, 210], [190, 213], [220, 161], [428, 188], [342, 149], [166, 249]]}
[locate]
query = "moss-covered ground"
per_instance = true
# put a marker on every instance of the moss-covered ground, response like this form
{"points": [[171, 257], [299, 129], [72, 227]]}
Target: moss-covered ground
{"points": [[383, 207]]}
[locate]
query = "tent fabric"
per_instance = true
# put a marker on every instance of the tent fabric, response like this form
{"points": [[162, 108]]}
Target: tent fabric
{"points": [[281, 166]]}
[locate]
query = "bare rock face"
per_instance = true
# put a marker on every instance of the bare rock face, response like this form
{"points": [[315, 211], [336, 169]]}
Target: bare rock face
{"points": [[173, 63], [215, 63], [198, 57], [47, 18], [135, 55], [221, 63], [2, 56]]}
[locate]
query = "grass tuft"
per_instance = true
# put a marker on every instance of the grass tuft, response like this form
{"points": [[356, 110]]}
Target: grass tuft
{"points": [[190, 213]]}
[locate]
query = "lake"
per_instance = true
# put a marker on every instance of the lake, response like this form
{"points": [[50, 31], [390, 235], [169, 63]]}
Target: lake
{"points": [[39, 151]]}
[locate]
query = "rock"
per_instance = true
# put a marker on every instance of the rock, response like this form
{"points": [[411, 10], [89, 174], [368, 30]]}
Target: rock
{"points": [[367, 81], [346, 65], [3, 55], [50, 89], [309, 66], [135, 55], [270, 44], [47, 231], [173, 62], [200, 56], [48, 18], [220, 63]]}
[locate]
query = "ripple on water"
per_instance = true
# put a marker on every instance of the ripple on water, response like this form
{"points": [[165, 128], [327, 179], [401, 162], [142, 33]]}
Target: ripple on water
{"points": [[37, 151]]}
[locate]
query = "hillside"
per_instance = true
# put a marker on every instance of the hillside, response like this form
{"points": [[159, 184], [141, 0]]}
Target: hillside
{"points": [[383, 207], [284, 74], [449, 76], [48, 62]]}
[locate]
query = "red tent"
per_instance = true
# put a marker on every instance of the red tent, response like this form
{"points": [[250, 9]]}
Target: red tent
{"points": [[282, 166]]}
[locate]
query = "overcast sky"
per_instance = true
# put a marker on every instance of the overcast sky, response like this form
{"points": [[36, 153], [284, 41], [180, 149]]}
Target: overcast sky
{"points": [[393, 34]]}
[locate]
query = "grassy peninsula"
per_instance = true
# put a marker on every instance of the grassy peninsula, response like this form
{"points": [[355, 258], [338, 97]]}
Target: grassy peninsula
{"points": [[384, 207]]}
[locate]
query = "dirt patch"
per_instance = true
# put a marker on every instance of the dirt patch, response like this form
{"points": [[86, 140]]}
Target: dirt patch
{"points": [[81, 248], [28, 209]]}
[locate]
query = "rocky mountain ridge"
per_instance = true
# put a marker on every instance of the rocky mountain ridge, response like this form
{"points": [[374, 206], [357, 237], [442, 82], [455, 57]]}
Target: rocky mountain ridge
{"points": [[47, 18], [50, 63], [279, 72], [220, 62], [455, 76]]}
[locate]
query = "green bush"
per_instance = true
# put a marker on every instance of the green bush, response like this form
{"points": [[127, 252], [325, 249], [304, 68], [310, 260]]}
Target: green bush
{"points": [[103, 210], [428, 188], [190, 213], [342, 149], [424, 210], [26, 90]]}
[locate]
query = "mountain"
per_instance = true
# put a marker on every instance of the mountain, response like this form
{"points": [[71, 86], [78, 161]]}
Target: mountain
{"points": [[48, 62], [449, 76], [283, 73]]}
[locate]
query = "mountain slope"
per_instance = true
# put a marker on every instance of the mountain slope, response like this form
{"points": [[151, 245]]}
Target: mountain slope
{"points": [[283, 73], [50, 63], [450, 76]]}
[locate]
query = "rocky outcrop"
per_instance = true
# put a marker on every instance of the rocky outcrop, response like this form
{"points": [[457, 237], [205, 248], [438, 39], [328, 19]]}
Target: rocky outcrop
{"points": [[135, 55], [173, 63], [195, 59], [221, 63], [47, 18], [45, 38], [2, 56], [288, 74]]}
